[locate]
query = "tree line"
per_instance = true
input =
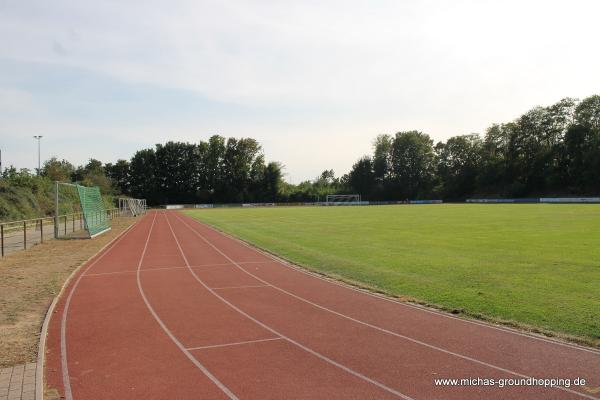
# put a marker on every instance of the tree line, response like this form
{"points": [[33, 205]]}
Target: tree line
{"points": [[216, 171], [548, 151]]}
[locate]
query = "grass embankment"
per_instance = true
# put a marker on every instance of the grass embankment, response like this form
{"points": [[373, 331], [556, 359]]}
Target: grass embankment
{"points": [[29, 280], [34, 197], [533, 266]]}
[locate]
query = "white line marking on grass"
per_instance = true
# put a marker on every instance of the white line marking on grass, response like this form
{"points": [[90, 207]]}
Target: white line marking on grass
{"points": [[197, 363], [214, 346], [239, 287], [63, 322], [277, 333], [418, 307], [383, 329]]}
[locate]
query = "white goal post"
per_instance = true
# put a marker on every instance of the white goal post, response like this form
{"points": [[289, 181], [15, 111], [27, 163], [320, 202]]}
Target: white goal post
{"points": [[342, 199], [132, 207]]}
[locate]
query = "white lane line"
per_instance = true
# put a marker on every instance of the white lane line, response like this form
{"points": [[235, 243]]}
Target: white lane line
{"points": [[214, 346], [133, 271], [239, 287], [277, 333], [112, 273], [211, 265], [345, 285], [63, 322], [193, 359], [257, 262], [431, 346]]}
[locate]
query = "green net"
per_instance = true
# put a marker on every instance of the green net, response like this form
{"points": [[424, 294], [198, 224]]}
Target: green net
{"points": [[94, 214]]}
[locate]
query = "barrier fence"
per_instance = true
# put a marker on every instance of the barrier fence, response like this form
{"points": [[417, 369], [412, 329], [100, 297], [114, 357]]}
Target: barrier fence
{"points": [[295, 204], [20, 235], [553, 200]]}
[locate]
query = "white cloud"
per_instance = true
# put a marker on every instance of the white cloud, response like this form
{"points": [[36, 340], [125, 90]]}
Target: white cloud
{"points": [[446, 67]]}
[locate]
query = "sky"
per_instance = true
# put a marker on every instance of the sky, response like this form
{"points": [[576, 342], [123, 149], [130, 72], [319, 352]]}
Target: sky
{"points": [[313, 81]]}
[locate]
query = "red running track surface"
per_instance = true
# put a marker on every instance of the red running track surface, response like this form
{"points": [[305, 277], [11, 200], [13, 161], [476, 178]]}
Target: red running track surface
{"points": [[174, 309]]}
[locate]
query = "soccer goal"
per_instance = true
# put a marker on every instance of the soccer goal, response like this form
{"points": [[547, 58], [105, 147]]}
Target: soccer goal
{"points": [[79, 211], [343, 199], [132, 207]]}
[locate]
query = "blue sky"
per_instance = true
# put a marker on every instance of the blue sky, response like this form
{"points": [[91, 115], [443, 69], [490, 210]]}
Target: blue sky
{"points": [[313, 81]]}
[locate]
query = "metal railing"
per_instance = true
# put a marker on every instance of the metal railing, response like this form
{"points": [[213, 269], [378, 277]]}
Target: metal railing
{"points": [[22, 234]]}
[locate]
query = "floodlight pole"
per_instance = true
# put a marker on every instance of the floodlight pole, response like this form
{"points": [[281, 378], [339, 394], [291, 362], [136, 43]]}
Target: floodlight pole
{"points": [[38, 137]]}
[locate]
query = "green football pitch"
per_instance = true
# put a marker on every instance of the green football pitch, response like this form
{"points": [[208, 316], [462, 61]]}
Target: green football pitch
{"points": [[535, 265]]}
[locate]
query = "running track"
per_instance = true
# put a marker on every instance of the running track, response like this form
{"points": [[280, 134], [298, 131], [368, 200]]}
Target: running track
{"points": [[176, 310]]}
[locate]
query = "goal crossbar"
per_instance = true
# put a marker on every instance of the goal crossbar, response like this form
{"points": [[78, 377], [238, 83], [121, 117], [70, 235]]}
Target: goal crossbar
{"points": [[343, 199], [132, 207]]}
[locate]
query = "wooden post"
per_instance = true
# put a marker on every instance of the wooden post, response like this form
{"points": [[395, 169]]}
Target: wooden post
{"points": [[65, 225], [24, 235], [2, 238], [41, 230], [56, 221]]}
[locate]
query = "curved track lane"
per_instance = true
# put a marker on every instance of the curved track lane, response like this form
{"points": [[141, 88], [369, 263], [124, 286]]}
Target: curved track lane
{"points": [[176, 309]]}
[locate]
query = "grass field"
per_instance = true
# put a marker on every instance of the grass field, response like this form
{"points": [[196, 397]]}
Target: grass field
{"points": [[535, 265]]}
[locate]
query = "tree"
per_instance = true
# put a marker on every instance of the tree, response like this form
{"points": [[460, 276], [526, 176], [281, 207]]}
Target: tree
{"points": [[176, 172], [213, 167], [587, 113], [143, 182], [119, 173], [327, 177], [382, 153], [412, 165], [94, 167], [582, 159], [272, 181], [238, 160], [458, 163], [93, 174], [361, 178], [57, 170]]}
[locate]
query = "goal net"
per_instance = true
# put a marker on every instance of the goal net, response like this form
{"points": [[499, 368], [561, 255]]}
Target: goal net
{"points": [[94, 214], [79, 211], [132, 207], [342, 199]]}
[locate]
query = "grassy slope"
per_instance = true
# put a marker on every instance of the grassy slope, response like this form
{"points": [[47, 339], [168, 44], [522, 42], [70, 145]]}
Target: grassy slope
{"points": [[537, 265], [26, 202]]}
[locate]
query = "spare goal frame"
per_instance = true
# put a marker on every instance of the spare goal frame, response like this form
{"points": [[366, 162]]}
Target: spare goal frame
{"points": [[342, 199]]}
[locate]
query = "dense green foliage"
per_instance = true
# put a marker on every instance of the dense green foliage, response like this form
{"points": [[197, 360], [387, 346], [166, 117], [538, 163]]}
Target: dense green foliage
{"points": [[220, 170], [535, 264], [552, 151], [549, 151], [24, 195]]}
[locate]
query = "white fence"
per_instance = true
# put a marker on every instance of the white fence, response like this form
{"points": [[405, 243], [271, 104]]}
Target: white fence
{"points": [[320, 203], [570, 200], [564, 200]]}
